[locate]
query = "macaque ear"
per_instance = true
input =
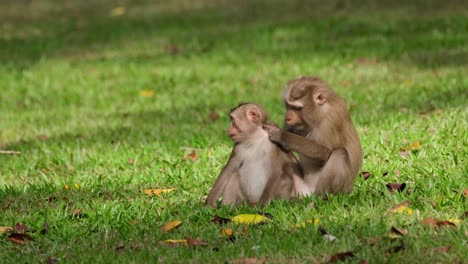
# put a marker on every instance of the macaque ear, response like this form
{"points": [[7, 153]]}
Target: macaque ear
{"points": [[254, 114], [320, 97]]}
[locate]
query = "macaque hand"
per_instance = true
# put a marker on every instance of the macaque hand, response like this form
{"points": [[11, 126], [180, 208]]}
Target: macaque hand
{"points": [[274, 132]]}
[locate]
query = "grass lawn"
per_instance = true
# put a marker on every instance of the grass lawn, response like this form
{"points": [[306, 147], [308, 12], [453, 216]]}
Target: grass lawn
{"points": [[103, 101]]}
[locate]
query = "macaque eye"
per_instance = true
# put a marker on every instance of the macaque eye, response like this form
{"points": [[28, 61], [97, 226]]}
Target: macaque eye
{"points": [[296, 108]]}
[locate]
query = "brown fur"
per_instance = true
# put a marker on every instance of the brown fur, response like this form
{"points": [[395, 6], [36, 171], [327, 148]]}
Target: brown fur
{"points": [[322, 132], [257, 170]]}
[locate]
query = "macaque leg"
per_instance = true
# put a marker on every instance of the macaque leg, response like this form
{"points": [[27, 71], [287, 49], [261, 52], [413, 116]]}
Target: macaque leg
{"points": [[232, 194], [300, 187], [335, 177]]}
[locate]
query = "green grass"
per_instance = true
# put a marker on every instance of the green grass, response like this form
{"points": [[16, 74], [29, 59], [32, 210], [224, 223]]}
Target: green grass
{"points": [[70, 102]]}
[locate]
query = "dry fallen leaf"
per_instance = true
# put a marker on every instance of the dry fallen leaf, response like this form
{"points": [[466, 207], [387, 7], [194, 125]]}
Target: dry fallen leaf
{"points": [[43, 137], [176, 241], [5, 229], [413, 146], [250, 260], [465, 192], [19, 239], [436, 223], [192, 242], [310, 221], [341, 256], [20, 228], [438, 249], [250, 219], [365, 175], [226, 232], [404, 153], [392, 187], [192, 155], [171, 225], [402, 208], [157, 191], [147, 93], [397, 232], [118, 11], [213, 116]]}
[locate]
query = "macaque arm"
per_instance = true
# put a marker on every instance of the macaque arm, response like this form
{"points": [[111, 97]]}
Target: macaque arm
{"points": [[224, 177], [307, 147]]}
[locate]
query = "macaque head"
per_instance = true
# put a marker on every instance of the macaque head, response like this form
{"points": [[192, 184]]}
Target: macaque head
{"points": [[306, 100], [245, 120]]}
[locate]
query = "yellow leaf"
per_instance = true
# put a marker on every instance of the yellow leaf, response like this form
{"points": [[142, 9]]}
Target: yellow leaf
{"points": [[5, 229], [171, 225], [176, 241], [249, 219], [147, 93], [454, 220], [157, 191], [118, 11], [227, 232], [67, 186], [414, 146], [399, 209], [77, 186], [303, 224]]}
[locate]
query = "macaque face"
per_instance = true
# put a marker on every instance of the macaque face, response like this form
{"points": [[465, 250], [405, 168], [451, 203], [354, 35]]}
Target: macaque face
{"points": [[243, 122]]}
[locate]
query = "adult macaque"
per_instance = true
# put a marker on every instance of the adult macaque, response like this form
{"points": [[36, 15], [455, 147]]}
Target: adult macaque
{"points": [[318, 127], [257, 170]]}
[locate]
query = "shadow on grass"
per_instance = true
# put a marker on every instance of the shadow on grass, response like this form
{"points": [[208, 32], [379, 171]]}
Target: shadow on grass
{"points": [[389, 30]]}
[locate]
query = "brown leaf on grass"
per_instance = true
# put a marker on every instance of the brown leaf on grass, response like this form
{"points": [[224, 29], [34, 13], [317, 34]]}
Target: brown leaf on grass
{"points": [[436, 223], [192, 155], [42, 137], [77, 213], [172, 49], [250, 260], [365, 175], [20, 228], [213, 116], [345, 83], [193, 242], [341, 256], [171, 225], [397, 232], [157, 191], [465, 192], [404, 153], [363, 261], [438, 249], [52, 260], [220, 220], [372, 241], [19, 239], [392, 187], [131, 161]]}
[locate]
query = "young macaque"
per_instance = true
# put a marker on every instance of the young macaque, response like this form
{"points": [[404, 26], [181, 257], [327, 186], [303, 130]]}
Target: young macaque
{"points": [[257, 170], [318, 127]]}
